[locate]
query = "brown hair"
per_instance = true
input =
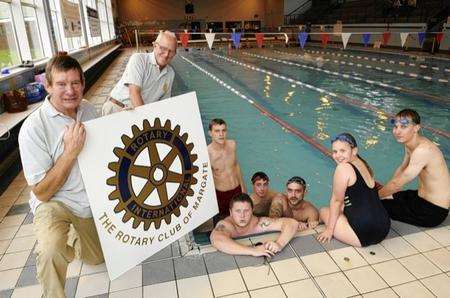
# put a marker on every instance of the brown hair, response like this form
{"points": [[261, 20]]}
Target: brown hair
{"points": [[258, 176], [216, 121], [62, 62], [242, 197]]}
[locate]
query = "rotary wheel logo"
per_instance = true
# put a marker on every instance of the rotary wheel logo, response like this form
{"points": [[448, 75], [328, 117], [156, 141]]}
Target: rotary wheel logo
{"points": [[153, 175]]}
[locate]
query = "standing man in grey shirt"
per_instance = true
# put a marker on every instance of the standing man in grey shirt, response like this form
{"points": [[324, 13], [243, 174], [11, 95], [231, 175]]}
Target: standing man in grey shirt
{"points": [[148, 77], [50, 140]]}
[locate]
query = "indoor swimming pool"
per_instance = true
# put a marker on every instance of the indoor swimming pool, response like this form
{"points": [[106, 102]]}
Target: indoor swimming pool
{"points": [[284, 105]]}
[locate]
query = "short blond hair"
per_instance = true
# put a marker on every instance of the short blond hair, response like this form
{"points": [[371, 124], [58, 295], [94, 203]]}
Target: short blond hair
{"points": [[167, 34]]}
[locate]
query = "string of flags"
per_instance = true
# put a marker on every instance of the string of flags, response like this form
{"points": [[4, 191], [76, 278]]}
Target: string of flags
{"points": [[324, 38]]}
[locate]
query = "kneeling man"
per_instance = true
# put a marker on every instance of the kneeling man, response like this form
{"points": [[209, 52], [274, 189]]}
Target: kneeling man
{"points": [[427, 206], [294, 206], [242, 222], [50, 141]]}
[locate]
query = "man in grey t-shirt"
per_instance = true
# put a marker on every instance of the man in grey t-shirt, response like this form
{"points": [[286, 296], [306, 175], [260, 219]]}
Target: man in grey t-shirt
{"points": [[148, 77], [50, 140]]}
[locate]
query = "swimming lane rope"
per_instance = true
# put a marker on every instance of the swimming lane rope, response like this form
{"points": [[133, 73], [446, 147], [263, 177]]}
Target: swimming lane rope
{"points": [[339, 97], [264, 111]]}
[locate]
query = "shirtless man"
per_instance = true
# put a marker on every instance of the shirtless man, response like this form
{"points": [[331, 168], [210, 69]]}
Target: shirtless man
{"points": [[262, 196], [427, 206], [294, 206], [242, 222], [226, 170]]}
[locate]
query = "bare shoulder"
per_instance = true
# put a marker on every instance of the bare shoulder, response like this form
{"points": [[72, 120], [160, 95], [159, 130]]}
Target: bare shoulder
{"points": [[265, 222], [344, 168], [224, 226], [231, 144]]}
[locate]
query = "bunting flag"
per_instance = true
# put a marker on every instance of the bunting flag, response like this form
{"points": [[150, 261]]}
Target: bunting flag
{"points": [[325, 37], [184, 38], [236, 38], [403, 37], [302, 37], [286, 38], [345, 38], [439, 37], [366, 39], [210, 39], [421, 36], [386, 37], [259, 39]]}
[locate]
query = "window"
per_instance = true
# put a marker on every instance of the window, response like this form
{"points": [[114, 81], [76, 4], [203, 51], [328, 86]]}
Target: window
{"points": [[65, 43], [9, 52], [32, 31], [103, 20], [92, 22], [112, 32]]}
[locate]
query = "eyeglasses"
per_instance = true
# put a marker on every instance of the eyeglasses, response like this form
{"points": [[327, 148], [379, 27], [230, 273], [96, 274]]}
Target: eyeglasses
{"points": [[343, 137], [165, 49], [401, 121], [298, 180]]}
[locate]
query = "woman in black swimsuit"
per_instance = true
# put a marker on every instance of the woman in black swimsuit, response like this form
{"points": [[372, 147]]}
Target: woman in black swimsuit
{"points": [[356, 215]]}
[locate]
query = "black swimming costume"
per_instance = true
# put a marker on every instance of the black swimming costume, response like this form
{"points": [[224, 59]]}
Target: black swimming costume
{"points": [[365, 213], [408, 207]]}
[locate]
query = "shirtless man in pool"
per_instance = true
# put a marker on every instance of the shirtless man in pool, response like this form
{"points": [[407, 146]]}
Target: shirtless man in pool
{"points": [[226, 170]]}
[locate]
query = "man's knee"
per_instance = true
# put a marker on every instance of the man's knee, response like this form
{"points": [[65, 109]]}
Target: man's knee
{"points": [[53, 245]]}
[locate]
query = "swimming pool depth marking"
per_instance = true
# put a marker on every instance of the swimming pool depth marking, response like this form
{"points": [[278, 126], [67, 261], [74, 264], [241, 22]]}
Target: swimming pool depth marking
{"points": [[342, 98], [434, 98], [265, 112]]}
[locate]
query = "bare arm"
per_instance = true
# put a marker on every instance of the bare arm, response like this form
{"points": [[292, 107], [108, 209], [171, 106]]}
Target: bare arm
{"points": [[241, 179], [287, 227], [417, 162], [55, 178], [135, 95], [276, 207], [340, 182], [312, 216], [221, 239], [403, 165]]}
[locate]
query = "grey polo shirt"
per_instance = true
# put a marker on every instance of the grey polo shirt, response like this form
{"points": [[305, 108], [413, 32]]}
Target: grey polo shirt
{"points": [[41, 143], [143, 71]]}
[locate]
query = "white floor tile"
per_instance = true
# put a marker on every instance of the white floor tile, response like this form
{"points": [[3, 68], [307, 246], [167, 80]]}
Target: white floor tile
{"points": [[385, 293], [320, 264], [270, 292], [438, 284], [130, 279], [306, 287], [422, 241], [8, 233], [398, 247], [256, 277], [374, 253], [289, 270], [347, 258], [129, 293], [365, 279], [419, 265], [94, 284], [412, 290], [194, 287], [161, 290], [336, 285], [14, 260], [8, 278], [21, 244], [28, 292], [227, 282], [393, 272], [440, 257]]}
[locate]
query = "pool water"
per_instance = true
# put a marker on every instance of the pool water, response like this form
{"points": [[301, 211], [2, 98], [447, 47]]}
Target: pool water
{"points": [[264, 145]]}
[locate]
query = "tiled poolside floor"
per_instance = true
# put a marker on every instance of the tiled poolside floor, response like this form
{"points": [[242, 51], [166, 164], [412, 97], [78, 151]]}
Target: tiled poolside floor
{"points": [[411, 262]]}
